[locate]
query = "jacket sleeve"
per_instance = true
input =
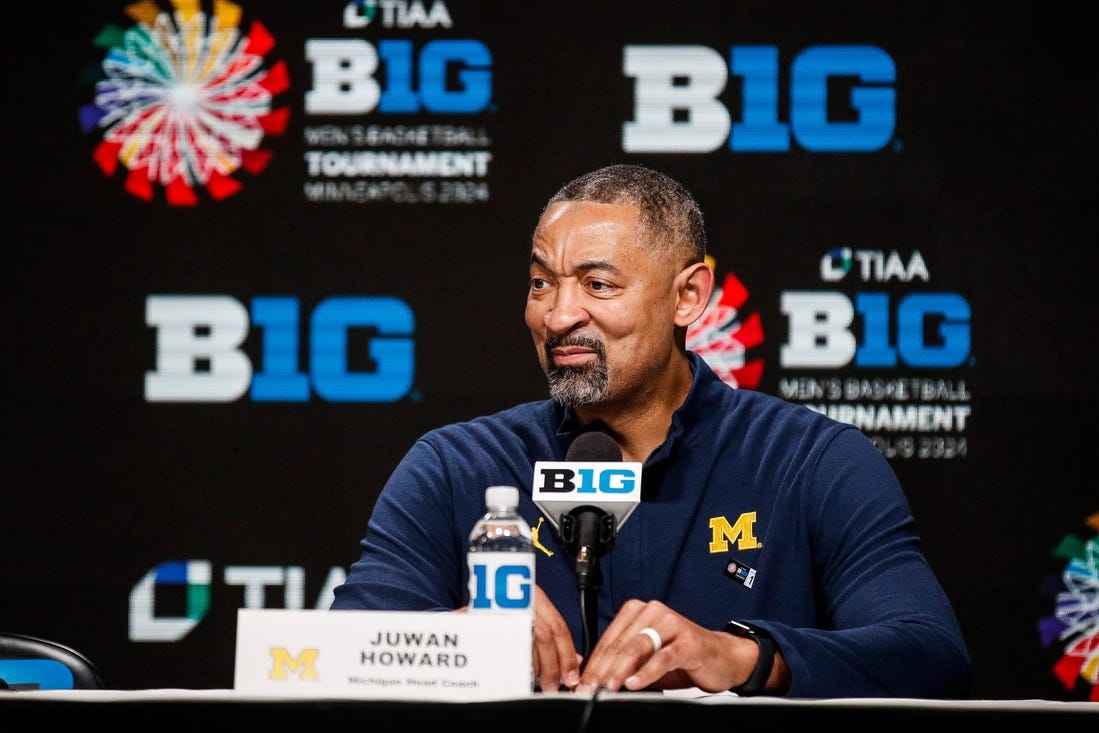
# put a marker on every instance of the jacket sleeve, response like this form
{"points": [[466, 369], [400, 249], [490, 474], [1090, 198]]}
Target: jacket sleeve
{"points": [[410, 556], [888, 628]]}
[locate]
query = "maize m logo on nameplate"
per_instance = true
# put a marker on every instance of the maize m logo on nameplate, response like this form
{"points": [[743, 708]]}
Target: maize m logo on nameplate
{"points": [[285, 666], [838, 99]]}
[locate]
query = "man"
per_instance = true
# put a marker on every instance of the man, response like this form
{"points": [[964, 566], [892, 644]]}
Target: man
{"points": [[773, 552]]}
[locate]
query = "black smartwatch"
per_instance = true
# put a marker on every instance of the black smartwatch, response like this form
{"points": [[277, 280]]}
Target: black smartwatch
{"points": [[758, 679]]}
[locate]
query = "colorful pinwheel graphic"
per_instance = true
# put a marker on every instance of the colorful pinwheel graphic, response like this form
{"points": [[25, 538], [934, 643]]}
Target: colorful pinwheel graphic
{"points": [[183, 100], [1074, 624], [723, 340]]}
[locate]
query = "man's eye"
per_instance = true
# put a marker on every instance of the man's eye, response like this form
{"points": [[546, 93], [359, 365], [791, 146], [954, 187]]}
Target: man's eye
{"points": [[537, 283], [598, 286]]}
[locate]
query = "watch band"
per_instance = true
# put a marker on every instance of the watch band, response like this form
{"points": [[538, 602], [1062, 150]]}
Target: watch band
{"points": [[757, 680]]}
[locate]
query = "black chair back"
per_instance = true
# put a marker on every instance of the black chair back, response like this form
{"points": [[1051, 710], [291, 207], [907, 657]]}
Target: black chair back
{"points": [[31, 663]]}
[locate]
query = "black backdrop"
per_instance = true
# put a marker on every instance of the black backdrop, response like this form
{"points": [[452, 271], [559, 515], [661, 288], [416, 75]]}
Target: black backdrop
{"points": [[983, 196]]}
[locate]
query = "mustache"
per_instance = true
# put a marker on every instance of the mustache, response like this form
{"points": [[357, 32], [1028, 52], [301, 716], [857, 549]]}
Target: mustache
{"points": [[586, 342]]}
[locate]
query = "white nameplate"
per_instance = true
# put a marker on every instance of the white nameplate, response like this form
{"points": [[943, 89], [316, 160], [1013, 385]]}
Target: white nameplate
{"points": [[383, 654]]}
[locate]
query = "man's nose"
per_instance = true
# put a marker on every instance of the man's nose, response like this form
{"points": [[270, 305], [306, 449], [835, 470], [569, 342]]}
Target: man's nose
{"points": [[566, 312]]}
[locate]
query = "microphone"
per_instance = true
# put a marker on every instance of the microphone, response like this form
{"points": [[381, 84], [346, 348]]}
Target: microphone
{"points": [[588, 497]]}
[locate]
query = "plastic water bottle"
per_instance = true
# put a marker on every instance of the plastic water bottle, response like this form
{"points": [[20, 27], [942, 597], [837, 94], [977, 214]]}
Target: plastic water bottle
{"points": [[501, 556]]}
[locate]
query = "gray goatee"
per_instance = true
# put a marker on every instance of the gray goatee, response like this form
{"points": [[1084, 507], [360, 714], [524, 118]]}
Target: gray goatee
{"points": [[574, 386]]}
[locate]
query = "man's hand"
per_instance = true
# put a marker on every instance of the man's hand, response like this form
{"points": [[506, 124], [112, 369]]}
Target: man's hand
{"points": [[688, 655], [556, 661]]}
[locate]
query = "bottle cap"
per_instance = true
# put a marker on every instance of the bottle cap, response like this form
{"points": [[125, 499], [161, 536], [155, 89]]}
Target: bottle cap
{"points": [[502, 497]]}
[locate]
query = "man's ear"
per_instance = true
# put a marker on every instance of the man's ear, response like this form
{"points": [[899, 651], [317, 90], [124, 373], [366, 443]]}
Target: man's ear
{"points": [[695, 285]]}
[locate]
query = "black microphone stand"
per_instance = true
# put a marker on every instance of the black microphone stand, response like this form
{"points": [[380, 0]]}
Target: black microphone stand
{"points": [[588, 533]]}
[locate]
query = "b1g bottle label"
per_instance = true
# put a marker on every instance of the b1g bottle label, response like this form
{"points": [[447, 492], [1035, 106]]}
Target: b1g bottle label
{"points": [[501, 581]]}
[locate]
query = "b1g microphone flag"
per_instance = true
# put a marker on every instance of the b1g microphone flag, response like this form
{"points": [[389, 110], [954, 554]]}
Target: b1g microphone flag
{"points": [[588, 496], [592, 475]]}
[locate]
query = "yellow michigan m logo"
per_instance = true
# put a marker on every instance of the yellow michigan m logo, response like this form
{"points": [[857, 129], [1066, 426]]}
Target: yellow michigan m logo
{"points": [[283, 664], [722, 533]]}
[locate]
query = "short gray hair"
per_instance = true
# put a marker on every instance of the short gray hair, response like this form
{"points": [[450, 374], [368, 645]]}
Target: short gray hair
{"points": [[670, 218]]}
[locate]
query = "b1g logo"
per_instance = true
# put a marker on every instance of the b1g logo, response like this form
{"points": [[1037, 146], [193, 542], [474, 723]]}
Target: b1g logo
{"points": [[597, 479], [561, 486], [497, 581], [199, 354], [921, 329], [345, 81], [931, 329], [677, 105]]}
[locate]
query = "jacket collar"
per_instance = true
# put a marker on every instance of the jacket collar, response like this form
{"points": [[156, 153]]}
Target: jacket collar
{"points": [[701, 399]]}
